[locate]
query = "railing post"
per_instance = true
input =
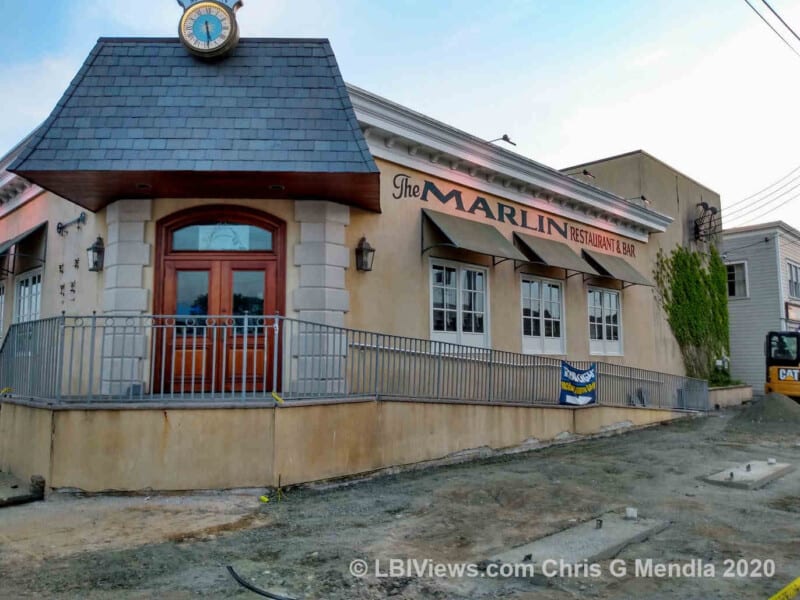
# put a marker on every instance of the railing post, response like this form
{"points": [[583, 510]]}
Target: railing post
{"points": [[92, 334], [244, 354], [439, 373], [61, 332], [275, 330], [378, 349], [491, 375]]}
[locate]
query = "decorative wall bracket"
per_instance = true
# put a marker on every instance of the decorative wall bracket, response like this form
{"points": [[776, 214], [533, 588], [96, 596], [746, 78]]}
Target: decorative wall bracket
{"points": [[61, 228], [708, 222]]}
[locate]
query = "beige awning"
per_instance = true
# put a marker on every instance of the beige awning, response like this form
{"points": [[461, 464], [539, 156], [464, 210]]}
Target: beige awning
{"points": [[4, 246], [439, 229], [616, 268], [553, 254], [7, 266]]}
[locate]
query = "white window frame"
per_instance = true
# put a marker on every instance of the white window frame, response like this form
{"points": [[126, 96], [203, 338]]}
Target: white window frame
{"points": [[794, 283], [33, 302], [542, 344], [480, 340], [605, 347], [746, 280]]}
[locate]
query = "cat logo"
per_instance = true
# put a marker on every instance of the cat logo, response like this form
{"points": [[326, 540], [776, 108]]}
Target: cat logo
{"points": [[789, 374]]}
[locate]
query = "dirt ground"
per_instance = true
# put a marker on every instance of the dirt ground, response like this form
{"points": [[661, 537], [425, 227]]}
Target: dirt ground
{"points": [[178, 546]]}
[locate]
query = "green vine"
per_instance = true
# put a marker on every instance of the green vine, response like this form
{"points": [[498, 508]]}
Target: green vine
{"points": [[692, 289]]}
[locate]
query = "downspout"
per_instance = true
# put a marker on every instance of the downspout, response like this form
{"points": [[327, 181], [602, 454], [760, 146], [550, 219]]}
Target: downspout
{"points": [[781, 301]]}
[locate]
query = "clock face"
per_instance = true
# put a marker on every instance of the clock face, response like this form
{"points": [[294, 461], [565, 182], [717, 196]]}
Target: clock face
{"points": [[208, 28]]}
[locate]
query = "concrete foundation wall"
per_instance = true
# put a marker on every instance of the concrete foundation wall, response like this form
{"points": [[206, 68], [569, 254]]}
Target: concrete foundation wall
{"points": [[25, 435], [97, 450], [729, 396], [219, 448], [607, 418]]}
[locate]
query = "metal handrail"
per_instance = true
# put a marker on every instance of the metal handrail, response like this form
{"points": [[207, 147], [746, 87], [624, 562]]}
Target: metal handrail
{"points": [[246, 358]]}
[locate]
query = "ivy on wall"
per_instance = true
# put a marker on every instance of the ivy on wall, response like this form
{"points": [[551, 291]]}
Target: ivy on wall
{"points": [[691, 287]]}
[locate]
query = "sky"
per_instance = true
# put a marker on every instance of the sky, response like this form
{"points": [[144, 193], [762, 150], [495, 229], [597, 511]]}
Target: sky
{"points": [[705, 86]]}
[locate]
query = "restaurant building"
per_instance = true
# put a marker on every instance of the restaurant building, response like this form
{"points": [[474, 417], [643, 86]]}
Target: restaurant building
{"points": [[176, 225]]}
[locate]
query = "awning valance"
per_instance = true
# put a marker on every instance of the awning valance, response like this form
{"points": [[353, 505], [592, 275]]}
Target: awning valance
{"points": [[439, 229], [8, 244], [4, 246], [616, 268], [552, 254]]}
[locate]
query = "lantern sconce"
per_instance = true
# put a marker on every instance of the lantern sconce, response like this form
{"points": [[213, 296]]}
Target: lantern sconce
{"points": [[365, 255], [96, 253]]}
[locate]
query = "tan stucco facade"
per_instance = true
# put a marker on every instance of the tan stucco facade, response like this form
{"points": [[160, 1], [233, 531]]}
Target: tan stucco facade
{"points": [[394, 297], [221, 448]]}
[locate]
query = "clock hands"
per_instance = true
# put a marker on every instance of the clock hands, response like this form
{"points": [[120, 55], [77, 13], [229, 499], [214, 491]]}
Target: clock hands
{"points": [[208, 33]]}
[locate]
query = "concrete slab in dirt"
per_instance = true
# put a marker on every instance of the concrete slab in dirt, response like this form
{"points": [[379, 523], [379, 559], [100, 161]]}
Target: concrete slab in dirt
{"points": [[12, 490], [759, 475], [584, 542]]}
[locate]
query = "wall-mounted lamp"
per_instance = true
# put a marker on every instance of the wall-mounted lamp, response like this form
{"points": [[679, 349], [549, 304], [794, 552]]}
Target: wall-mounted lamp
{"points": [[644, 200], [365, 255], [504, 138], [96, 253], [585, 173]]}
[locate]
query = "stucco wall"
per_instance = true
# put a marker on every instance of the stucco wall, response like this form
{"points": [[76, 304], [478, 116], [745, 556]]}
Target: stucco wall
{"points": [[394, 297], [25, 441], [669, 192], [183, 449], [729, 396], [162, 449], [605, 418], [57, 250]]}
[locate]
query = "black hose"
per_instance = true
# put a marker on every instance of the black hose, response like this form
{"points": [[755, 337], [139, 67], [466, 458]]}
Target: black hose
{"points": [[254, 589]]}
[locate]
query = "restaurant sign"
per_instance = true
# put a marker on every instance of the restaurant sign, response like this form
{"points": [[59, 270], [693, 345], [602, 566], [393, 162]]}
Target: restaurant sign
{"points": [[532, 220]]}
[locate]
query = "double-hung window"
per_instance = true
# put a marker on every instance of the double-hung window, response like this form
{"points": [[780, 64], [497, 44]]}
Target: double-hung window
{"points": [[737, 280], [605, 322], [459, 304], [542, 316], [794, 280], [28, 296]]}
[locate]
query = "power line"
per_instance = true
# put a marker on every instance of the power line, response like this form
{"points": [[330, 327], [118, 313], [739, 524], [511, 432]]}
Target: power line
{"points": [[785, 41], [797, 168], [774, 208], [762, 202], [785, 24]]}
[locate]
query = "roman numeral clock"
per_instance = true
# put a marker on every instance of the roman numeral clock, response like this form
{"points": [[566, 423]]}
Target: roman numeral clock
{"points": [[208, 28]]}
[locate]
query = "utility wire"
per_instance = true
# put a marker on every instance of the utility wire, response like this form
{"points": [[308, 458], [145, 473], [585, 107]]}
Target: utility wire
{"points": [[772, 209], [785, 41], [785, 24], [744, 211], [789, 174]]}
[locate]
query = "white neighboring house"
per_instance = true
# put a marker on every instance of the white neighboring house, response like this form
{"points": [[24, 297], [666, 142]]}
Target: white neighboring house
{"points": [[763, 292]]}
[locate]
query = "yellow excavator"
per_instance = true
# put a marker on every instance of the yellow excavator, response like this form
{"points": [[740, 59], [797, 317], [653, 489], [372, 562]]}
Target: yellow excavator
{"points": [[783, 363]]}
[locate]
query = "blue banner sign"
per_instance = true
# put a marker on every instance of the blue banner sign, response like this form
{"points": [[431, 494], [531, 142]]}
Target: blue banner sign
{"points": [[578, 387]]}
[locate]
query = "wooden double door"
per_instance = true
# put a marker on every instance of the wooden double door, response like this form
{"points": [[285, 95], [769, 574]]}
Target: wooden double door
{"points": [[218, 339], [217, 281]]}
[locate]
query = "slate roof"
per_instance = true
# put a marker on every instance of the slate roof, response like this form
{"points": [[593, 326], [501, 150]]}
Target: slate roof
{"points": [[273, 105]]}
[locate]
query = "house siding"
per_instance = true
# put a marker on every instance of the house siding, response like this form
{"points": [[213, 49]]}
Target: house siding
{"points": [[753, 316], [790, 253]]}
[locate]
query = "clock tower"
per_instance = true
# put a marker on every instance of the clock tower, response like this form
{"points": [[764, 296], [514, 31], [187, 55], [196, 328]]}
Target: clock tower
{"points": [[208, 28]]}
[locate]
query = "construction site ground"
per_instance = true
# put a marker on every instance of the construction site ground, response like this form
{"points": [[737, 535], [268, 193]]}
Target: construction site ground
{"points": [[178, 546]]}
